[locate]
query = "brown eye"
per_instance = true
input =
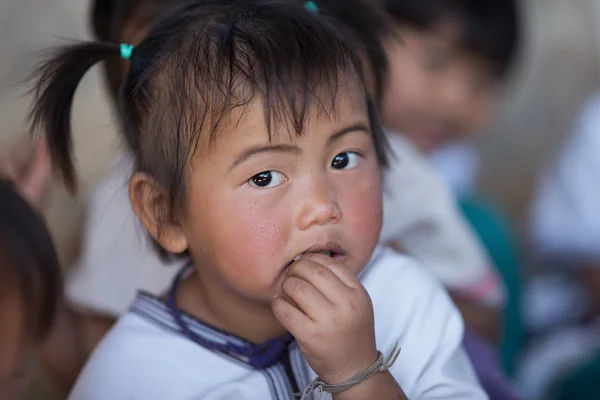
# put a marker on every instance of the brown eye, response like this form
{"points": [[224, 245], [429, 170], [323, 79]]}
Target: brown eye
{"points": [[267, 179], [345, 160]]}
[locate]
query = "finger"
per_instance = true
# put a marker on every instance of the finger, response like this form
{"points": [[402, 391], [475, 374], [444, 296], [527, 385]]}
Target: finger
{"points": [[321, 277], [307, 297], [337, 268], [292, 319]]}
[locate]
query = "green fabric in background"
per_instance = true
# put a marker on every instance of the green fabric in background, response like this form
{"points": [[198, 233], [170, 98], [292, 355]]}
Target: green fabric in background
{"points": [[495, 233], [582, 384]]}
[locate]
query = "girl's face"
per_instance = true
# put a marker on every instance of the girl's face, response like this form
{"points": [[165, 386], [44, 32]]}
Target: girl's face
{"points": [[14, 344], [254, 204], [437, 91]]}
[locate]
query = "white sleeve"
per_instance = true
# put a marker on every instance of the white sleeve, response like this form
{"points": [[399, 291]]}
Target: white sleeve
{"points": [[413, 310], [420, 213], [116, 258], [565, 219]]}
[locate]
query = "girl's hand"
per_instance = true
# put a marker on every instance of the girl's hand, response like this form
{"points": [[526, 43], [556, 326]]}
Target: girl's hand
{"points": [[331, 316]]}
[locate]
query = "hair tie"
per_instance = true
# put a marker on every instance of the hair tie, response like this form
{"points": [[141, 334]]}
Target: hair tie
{"points": [[311, 6], [126, 51]]}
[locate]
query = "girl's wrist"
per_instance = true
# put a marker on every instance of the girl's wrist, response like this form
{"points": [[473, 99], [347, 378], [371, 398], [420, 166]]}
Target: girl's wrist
{"points": [[382, 386], [355, 379]]}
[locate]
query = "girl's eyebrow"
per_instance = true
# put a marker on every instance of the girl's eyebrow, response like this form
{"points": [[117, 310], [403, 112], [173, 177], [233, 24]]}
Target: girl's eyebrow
{"points": [[294, 149], [270, 148], [358, 127]]}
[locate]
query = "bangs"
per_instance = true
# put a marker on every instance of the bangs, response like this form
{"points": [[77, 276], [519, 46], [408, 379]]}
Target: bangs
{"points": [[289, 76], [293, 60]]}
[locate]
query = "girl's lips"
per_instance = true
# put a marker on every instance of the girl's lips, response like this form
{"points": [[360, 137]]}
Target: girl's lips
{"points": [[335, 256], [330, 249]]}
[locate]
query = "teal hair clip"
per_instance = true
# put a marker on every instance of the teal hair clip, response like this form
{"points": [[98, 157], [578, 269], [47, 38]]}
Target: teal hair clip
{"points": [[126, 51], [311, 6]]}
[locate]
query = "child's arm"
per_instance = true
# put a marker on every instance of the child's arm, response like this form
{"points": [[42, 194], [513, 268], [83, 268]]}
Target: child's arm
{"points": [[485, 321]]}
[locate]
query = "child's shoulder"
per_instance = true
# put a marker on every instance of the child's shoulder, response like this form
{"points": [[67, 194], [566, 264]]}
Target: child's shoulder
{"points": [[125, 357], [141, 357]]}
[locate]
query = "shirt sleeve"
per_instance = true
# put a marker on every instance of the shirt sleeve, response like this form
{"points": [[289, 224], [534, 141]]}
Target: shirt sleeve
{"points": [[565, 218], [116, 258], [421, 215], [413, 310]]}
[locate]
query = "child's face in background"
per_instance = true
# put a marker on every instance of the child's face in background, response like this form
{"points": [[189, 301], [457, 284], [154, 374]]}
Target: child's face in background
{"points": [[254, 205], [437, 92], [14, 344]]}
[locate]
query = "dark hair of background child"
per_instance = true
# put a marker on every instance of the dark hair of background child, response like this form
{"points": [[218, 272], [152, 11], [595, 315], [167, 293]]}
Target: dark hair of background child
{"points": [[29, 259], [489, 28]]}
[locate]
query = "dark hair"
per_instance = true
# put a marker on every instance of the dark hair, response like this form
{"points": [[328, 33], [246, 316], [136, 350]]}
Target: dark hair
{"points": [[28, 259], [108, 20], [203, 60], [489, 28], [362, 24]]}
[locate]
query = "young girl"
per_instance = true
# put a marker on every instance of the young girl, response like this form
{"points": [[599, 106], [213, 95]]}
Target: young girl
{"points": [[424, 222], [257, 155], [30, 275]]}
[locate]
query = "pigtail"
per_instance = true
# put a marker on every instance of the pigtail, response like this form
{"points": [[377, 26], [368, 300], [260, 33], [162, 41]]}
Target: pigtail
{"points": [[56, 81]]}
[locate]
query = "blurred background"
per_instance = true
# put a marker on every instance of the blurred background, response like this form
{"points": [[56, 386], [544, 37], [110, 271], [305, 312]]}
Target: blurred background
{"points": [[558, 69]]}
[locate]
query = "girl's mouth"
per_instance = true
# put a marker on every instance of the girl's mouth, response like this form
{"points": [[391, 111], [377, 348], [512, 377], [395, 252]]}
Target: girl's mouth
{"points": [[332, 250]]}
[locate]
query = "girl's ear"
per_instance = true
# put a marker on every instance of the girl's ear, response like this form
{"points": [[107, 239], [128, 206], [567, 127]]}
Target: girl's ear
{"points": [[150, 203]]}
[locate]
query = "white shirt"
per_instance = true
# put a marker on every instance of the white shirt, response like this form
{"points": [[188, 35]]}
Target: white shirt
{"points": [[565, 218], [419, 212], [458, 164], [145, 356]]}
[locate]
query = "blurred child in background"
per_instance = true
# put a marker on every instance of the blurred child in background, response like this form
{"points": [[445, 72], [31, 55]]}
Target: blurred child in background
{"points": [[563, 301], [446, 77], [30, 275]]}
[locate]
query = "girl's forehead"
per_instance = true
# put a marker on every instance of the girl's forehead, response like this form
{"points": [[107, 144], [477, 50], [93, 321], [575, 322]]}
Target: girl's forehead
{"points": [[257, 120]]}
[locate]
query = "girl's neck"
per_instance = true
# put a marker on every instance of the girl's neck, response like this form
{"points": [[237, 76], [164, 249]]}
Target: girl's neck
{"points": [[210, 302]]}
